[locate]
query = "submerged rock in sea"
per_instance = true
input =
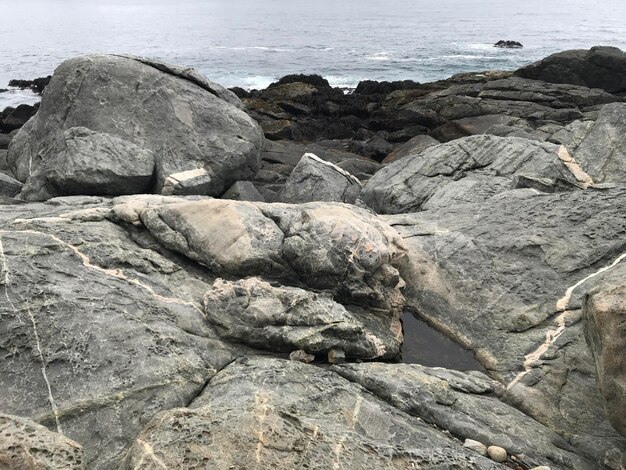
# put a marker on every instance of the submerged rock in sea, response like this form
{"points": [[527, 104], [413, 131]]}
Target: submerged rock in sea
{"points": [[508, 44], [182, 119]]}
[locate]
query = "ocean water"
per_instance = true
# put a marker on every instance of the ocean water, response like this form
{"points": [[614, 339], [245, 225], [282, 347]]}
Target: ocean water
{"points": [[251, 43]]}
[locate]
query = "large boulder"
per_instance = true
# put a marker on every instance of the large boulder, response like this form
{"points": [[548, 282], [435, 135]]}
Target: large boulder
{"points": [[25, 444], [270, 413], [471, 169], [186, 122], [604, 313], [314, 179], [599, 67], [505, 278]]}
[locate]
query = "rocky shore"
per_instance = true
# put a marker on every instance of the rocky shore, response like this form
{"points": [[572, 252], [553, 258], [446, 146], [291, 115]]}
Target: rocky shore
{"points": [[196, 277]]}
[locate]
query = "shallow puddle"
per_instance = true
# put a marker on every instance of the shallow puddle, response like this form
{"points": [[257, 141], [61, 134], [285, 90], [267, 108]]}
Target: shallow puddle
{"points": [[425, 345]]}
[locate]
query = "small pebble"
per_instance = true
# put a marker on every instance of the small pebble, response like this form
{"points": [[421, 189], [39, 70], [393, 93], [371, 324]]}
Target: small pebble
{"points": [[336, 356], [301, 356], [497, 453], [475, 446]]}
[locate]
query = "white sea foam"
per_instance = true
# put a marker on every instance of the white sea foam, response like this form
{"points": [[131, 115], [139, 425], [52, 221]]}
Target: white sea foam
{"points": [[15, 97], [381, 56]]}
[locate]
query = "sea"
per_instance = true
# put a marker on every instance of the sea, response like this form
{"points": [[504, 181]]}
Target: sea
{"points": [[251, 43]]}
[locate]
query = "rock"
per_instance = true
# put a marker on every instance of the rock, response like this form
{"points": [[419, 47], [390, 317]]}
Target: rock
{"points": [[301, 356], [542, 467], [17, 118], [37, 85], [537, 254], [508, 44], [97, 327], [452, 172], [26, 444], [464, 404], [362, 169], [372, 87], [336, 356], [86, 162], [476, 446], [161, 104], [604, 312], [375, 147], [187, 182], [314, 80], [599, 67], [314, 179], [243, 191], [321, 245], [5, 140], [300, 416], [497, 453], [415, 146], [9, 187], [282, 319], [602, 151]]}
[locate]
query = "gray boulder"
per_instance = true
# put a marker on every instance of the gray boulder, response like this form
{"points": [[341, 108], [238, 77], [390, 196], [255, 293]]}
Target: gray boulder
{"points": [[25, 444], [81, 161], [314, 179], [505, 278], [415, 146], [269, 413], [9, 187], [466, 405], [285, 319], [185, 121], [599, 67], [439, 176], [604, 311], [243, 191]]}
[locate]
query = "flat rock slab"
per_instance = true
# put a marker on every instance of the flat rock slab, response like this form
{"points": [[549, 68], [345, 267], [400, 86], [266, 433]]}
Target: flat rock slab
{"points": [[186, 122], [506, 278], [466, 405], [270, 413]]}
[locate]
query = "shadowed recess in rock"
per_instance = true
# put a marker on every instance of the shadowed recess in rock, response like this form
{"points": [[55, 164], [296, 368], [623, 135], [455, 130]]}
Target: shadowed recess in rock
{"points": [[426, 346]]}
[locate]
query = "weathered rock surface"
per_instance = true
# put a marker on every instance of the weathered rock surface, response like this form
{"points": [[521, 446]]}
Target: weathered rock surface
{"points": [[314, 179], [9, 187], [465, 170], [599, 67], [319, 245], [604, 311], [505, 278], [25, 444], [150, 105], [466, 405], [262, 412], [98, 334], [260, 315], [415, 146], [243, 191]]}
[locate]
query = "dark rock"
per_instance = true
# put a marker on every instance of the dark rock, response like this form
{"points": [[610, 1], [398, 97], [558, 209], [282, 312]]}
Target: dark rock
{"points": [[9, 187], [175, 102], [376, 148], [314, 179], [5, 140], [314, 80], [28, 445], [240, 92], [303, 416], [604, 312], [37, 85], [362, 169], [508, 44], [17, 117], [371, 87], [243, 191], [600, 67]]}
